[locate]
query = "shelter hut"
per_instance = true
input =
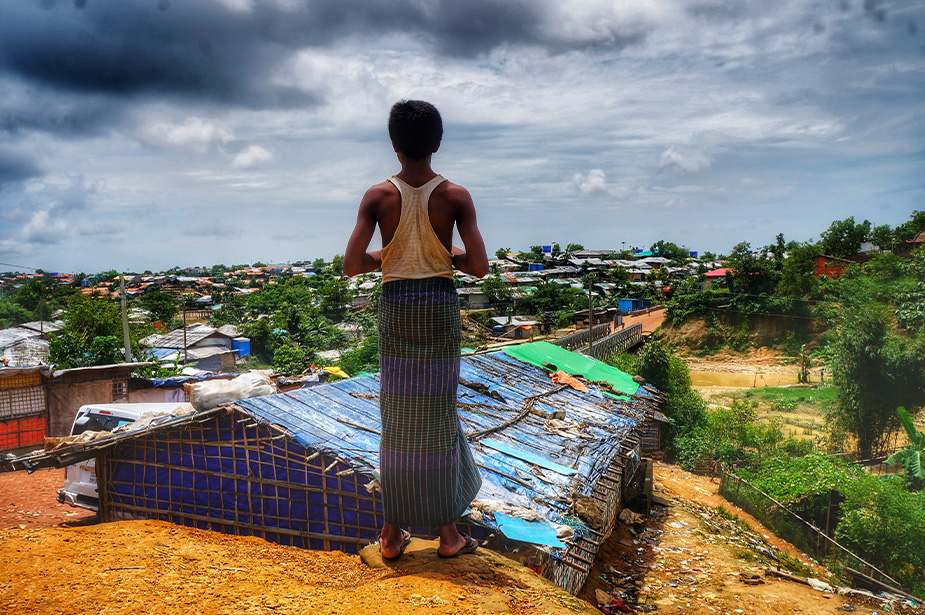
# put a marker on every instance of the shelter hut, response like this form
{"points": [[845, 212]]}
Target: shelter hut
{"points": [[23, 407], [300, 468]]}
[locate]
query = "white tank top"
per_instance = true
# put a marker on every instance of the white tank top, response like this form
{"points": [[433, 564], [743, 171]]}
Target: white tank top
{"points": [[415, 251]]}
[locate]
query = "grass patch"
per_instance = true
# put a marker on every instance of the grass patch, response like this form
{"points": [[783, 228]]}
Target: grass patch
{"points": [[789, 397]]}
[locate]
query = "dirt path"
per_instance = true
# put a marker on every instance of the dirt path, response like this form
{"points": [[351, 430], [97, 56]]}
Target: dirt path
{"points": [[28, 501], [688, 558], [650, 322]]}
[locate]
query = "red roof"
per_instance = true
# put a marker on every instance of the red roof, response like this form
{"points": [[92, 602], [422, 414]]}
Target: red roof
{"points": [[718, 273]]}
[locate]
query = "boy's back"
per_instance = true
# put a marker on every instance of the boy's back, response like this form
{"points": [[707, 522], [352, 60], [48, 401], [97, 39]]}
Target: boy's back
{"points": [[427, 472]]}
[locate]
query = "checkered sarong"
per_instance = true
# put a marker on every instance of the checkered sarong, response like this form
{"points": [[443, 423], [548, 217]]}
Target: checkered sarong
{"points": [[428, 475]]}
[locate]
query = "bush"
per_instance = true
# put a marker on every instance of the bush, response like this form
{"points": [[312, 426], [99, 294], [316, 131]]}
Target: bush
{"points": [[784, 405], [289, 358], [364, 358], [885, 524], [795, 447]]}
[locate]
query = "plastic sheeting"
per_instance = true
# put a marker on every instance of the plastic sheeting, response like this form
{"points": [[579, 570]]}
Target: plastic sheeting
{"points": [[573, 363]]}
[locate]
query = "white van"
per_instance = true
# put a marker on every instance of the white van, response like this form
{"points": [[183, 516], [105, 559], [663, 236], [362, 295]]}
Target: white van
{"points": [[80, 478]]}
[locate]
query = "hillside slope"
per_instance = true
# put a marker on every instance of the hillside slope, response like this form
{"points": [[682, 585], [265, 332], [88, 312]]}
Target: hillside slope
{"points": [[685, 558]]}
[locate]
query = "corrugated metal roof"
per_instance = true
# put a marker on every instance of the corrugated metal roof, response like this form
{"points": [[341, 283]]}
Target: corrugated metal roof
{"points": [[47, 326], [174, 339], [342, 419], [15, 335]]}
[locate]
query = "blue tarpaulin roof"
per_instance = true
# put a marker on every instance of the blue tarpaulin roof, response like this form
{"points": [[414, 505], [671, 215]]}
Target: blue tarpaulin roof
{"points": [[524, 463]]}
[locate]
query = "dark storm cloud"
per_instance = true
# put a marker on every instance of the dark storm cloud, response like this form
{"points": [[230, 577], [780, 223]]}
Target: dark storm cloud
{"points": [[207, 51], [16, 168], [65, 114]]}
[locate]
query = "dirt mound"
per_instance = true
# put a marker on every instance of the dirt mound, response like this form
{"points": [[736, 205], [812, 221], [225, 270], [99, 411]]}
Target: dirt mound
{"points": [[159, 568], [686, 558], [732, 331]]}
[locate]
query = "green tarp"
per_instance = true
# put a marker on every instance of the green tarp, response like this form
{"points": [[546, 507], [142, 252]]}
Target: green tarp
{"points": [[538, 353]]}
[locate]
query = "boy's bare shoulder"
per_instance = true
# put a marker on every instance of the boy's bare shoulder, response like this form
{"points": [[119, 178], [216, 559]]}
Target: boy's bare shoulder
{"points": [[454, 193], [382, 193]]}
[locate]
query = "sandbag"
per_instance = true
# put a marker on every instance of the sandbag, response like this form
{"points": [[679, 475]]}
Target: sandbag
{"points": [[212, 393]]}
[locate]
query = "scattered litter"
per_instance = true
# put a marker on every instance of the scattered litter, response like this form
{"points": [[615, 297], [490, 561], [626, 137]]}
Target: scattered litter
{"points": [[629, 517]]}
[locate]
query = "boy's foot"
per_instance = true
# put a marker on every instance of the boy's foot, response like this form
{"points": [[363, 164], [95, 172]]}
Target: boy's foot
{"points": [[468, 545], [393, 552]]}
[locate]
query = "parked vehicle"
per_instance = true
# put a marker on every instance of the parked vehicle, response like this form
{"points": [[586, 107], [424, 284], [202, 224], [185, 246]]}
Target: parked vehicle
{"points": [[80, 478]]}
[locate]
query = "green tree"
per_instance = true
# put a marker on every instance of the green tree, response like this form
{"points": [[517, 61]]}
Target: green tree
{"points": [[337, 265], [844, 238], [912, 458], [551, 297], [797, 278], [535, 255], [571, 248], [882, 236], [92, 335], [13, 314], [34, 296], [502, 253], [667, 372], [912, 227], [363, 358], [291, 359], [666, 249], [497, 292], [67, 351], [335, 296], [749, 274], [874, 371], [162, 306]]}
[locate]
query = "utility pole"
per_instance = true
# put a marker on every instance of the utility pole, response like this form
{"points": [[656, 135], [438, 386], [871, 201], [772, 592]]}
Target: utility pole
{"points": [[125, 336], [185, 353], [590, 317]]}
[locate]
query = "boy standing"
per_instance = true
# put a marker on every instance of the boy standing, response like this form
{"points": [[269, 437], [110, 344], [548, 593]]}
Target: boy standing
{"points": [[428, 475]]}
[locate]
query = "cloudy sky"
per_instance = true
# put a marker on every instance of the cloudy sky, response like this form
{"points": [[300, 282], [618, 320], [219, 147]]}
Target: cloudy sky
{"points": [[146, 134]]}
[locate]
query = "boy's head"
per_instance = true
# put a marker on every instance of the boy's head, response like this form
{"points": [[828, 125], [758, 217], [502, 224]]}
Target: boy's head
{"points": [[415, 128]]}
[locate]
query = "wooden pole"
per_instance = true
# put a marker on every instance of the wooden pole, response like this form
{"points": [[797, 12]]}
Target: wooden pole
{"points": [[590, 319], [185, 353], [125, 336]]}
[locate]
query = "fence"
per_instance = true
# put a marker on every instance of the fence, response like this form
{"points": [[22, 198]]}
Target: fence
{"points": [[613, 343], [793, 528], [579, 339]]}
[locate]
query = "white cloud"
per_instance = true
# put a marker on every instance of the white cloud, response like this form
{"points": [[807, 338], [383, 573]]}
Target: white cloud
{"points": [[253, 156], [194, 134], [684, 162], [594, 183], [46, 228]]}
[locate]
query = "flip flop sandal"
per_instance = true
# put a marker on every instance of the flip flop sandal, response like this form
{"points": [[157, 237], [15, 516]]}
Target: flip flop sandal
{"points": [[405, 541], [471, 545]]}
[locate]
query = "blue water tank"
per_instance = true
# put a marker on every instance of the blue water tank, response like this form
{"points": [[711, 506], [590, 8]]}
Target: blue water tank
{"points": [[242, 345]]}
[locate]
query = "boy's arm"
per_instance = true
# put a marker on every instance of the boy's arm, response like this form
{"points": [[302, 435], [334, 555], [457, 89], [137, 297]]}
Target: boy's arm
{"points": [[356, 259], [474, 260]]}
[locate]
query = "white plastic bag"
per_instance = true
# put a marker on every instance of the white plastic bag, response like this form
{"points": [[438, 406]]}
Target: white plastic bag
{"points": [[212, 393]]}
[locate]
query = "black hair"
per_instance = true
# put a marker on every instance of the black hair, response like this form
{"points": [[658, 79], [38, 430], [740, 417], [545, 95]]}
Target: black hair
{"points": [[415, 128]]}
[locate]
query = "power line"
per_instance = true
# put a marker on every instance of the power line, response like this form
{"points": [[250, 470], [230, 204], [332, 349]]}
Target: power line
{"points": [[30, 268], [20, 266]]}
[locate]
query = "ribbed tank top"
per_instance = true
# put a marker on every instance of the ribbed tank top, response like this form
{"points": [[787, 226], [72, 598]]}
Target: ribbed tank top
{"points": [[415, 251]]}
